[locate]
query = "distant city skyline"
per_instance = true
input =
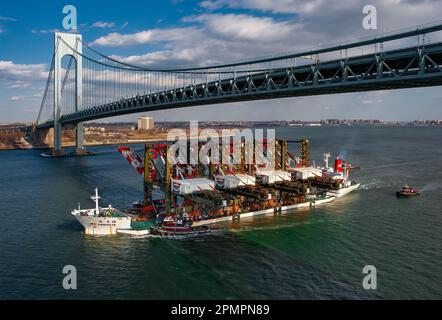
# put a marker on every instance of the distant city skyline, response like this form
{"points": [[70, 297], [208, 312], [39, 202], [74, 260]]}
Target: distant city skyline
{"points": [[185, 33], [227, 122]]}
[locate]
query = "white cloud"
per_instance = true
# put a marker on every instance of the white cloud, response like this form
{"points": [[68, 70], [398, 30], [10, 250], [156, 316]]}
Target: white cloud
{"points": [[103, 25], [3, 18], [340, 17], [116, 39], [45, 31], [17, 98], [165, 57], [245, 27], [275, 6], [313, 7], [19, 85], [212, 5], [12, 71]]}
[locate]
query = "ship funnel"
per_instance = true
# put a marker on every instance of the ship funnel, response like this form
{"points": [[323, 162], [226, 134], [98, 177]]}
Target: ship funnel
{"points": [[338, 165]]}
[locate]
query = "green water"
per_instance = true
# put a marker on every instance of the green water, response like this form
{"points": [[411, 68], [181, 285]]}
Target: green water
{"points": [[306, 254]]}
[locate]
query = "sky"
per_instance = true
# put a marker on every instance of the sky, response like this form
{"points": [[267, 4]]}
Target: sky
{"points": [[172, 33]]}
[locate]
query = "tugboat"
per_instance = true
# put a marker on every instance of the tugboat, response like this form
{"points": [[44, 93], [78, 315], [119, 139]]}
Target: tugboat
{"points": [[179, 227], [407, 192]]}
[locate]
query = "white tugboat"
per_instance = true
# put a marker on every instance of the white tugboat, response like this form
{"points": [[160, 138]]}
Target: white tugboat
{"points": [[108, 221]]}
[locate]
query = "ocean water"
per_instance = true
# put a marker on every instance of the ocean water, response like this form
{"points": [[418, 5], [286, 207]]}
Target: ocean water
{"points": [[314, 253]]}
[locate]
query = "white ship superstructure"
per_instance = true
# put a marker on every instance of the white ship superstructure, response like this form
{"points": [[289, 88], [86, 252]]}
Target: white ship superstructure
{"points": [[339, 177]]}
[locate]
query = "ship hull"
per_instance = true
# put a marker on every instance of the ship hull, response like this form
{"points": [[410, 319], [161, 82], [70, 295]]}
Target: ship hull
{"points": [[103, 225], [182, 231], [400, 194], [132, 232], [343, 191], [263, 212]]}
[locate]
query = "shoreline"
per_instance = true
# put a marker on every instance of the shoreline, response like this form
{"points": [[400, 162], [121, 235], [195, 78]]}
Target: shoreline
{"points": [[93, 144], [27, 146]]}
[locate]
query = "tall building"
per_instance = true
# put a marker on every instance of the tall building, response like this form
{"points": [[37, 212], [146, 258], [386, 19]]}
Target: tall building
{"points": [[145, 123]]}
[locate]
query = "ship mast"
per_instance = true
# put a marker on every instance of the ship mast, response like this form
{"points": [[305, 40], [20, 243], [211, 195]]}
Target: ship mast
{"points": [[326, 157], [96, 198]]}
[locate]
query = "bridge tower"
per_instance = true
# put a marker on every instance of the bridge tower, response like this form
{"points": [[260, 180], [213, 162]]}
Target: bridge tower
{"points": [[67, 44]]}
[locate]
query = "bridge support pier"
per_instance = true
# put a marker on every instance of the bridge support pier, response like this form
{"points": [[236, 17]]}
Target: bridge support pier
{"points": [[57, 149], [51, 136], [79, 139]]}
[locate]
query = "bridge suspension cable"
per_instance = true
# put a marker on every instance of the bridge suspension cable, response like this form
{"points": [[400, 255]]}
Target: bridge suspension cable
{"points": [[395, 35], [45, 94]]}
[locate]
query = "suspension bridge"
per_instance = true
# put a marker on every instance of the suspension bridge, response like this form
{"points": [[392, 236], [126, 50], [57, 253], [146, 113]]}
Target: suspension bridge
{"points": [[92, 85]]}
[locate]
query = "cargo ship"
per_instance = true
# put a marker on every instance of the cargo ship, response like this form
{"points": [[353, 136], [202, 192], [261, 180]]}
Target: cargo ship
{"points": [[192, 196]]}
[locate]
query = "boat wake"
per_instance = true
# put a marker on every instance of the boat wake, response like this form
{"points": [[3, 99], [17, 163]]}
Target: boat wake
{"points": [[370, 186], [276, 226], [185, 236], [432, 186], [396, 164]]}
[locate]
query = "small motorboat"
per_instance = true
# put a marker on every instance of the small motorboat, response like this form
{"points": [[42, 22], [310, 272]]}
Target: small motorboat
{"points": [[407, 192]]}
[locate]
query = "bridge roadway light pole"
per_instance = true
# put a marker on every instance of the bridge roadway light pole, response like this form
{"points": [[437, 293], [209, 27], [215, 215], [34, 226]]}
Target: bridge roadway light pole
{"points": [[67, 44]]}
